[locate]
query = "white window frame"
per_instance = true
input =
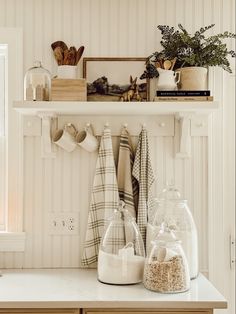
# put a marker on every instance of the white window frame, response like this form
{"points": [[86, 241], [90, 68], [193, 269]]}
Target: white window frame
{"points": [[13, 238], [3, 52]]}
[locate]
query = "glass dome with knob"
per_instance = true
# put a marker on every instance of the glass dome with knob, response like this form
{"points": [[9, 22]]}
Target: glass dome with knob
{"points": [[171, 209], [121, 255], [37, 83]]}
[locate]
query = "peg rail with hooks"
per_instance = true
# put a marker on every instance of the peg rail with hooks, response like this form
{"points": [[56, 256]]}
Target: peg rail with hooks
{"points": [[178, 119]]}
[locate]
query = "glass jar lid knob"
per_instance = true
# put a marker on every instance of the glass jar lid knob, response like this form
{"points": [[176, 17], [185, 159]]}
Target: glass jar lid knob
{"points": [[37, 64], [166, 234]]}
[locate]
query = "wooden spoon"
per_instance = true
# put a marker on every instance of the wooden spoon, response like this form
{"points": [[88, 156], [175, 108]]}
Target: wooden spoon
{"points": [[161, 63], [173, 63], [157, 64], [66, 60], [79, 54], [58, 53], [167, 64], [73, 53], [59, 43]]}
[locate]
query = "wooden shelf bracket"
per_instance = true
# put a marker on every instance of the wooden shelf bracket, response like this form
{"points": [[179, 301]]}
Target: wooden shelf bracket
{"points": [[182, 138], [47, 119]]}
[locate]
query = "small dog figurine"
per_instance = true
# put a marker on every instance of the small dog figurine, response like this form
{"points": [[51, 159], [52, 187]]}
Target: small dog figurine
{"points": [[128, 96]]}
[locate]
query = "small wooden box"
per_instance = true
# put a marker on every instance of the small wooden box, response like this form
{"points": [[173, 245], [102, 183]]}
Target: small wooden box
{"points": [[69, 89]]}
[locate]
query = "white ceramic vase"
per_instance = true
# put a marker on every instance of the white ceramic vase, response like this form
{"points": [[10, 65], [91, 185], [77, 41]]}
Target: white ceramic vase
{"points": [[67, 71]]}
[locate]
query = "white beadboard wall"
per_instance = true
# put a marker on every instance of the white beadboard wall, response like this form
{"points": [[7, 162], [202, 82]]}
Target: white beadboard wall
{"points": [[122, 28]]}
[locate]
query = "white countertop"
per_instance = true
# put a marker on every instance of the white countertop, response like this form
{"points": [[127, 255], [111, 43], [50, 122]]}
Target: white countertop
{"points": [[77, 288]]}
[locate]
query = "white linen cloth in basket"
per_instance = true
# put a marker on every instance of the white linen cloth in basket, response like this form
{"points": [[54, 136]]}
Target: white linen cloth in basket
{"points": [[104, 199]]}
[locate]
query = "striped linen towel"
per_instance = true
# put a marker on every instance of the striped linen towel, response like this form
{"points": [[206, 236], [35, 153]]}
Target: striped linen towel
{"points": [[127, 184], [104, 200], [143, 172]]}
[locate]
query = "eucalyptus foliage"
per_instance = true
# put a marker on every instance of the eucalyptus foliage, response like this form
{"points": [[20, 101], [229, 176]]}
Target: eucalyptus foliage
{"points": [[191, 50]]}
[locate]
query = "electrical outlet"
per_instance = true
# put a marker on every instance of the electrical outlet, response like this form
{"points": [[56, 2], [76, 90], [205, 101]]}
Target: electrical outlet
{"points": [[63, 223]]}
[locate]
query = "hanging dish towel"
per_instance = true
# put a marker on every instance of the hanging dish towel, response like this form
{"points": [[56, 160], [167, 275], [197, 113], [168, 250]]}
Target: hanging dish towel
{"points": [[104, 200], [143, 172], [127, 184]]}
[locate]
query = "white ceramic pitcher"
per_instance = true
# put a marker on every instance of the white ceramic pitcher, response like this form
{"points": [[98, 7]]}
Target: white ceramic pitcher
{"points": [[167, 79]]}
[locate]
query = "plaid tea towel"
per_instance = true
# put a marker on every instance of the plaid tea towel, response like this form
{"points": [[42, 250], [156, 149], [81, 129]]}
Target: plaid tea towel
{"points": [[104, 199], [127, 184], [143, 172]]}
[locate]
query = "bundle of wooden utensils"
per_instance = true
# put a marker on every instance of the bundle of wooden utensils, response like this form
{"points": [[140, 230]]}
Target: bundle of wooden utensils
{"points": [[65, 55], [165, 64]]}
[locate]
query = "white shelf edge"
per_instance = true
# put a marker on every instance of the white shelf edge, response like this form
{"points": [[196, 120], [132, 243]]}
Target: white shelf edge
{"points": [[113, 108]]}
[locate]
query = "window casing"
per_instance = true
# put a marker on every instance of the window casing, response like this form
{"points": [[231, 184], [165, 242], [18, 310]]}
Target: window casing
{"points": [[12, 237], [3, 172]]}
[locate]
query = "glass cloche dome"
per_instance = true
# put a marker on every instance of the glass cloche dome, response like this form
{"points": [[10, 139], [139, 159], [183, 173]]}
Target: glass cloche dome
{"points": [[37, 83], [121, 255]]}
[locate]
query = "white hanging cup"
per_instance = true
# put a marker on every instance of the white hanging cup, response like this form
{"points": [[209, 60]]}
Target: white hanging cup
{"points": [[65, 138], [87, 140]]}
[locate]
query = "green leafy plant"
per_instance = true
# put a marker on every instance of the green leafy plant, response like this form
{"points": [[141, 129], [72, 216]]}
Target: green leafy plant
{"points": [[191, 50]]}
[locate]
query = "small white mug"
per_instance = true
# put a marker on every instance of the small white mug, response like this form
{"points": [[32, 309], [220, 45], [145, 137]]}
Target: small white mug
{"points": [[87, 140], [65, 138]]}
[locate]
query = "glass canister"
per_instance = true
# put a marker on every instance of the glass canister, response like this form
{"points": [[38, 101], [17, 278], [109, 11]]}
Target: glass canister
{"points": [[166, 268], [169, 208], [121, 255], [37, 83]]}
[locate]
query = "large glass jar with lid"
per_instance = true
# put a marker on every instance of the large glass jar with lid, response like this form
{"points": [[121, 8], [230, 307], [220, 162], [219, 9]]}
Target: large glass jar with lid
{"points": [[166, 268], [121, 255], [171, 209], [37, 83]]}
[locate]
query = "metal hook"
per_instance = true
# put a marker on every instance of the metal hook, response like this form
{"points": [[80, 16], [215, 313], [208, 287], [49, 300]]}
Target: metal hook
{"points": [[70, 128], [87, 126]]}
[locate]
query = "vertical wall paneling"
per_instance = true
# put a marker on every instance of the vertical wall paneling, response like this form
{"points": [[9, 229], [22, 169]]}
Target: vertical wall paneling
{"points": [[29, 201], [3, 13], [113, 29], [37, 224], [168, 159], [95, 27], [229, 182], [180, 13], [48, 193], [104, 23], [122, 28], [159, 160], [57, 207], [10, 13]]}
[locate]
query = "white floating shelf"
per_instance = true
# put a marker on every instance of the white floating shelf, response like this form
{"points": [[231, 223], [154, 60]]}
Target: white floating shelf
{"points": [[183, 111], [114, 108]]}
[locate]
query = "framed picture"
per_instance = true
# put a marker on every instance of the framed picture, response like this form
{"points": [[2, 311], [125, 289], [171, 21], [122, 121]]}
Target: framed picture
{"points": [[115, 79]]}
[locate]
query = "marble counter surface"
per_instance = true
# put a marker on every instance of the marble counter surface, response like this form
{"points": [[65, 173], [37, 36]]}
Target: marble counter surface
{"points": [[78, 288]]}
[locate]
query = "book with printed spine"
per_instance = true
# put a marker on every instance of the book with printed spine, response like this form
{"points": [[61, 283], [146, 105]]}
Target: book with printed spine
{"points": [[182, 93], [186, 98]]}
